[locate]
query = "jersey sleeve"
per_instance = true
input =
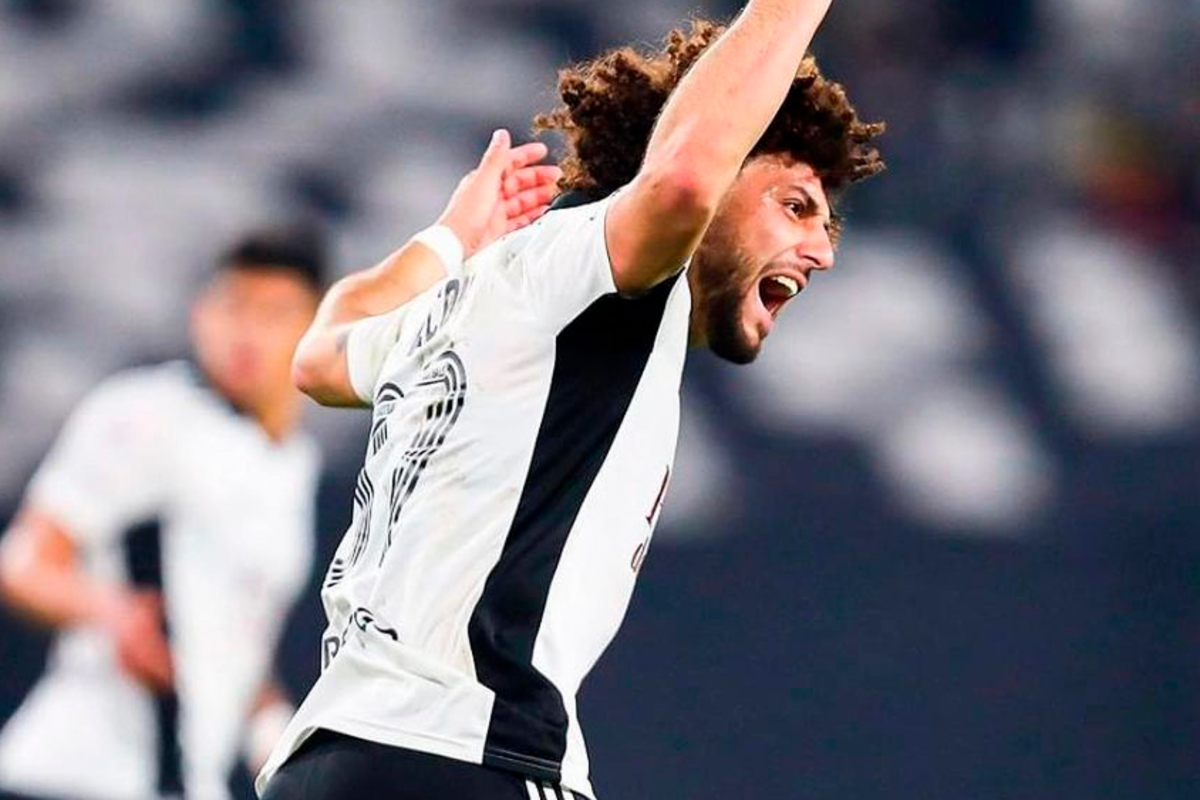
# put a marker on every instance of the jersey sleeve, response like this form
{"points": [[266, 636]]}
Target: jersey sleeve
{"points": [[564, 263], [367, 348], [105, 471]]}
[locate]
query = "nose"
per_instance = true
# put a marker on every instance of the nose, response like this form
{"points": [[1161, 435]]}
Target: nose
{"points": [[817, 248]]}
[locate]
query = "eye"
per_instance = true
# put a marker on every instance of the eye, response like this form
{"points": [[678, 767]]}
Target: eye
{"points": [[796, 208]]}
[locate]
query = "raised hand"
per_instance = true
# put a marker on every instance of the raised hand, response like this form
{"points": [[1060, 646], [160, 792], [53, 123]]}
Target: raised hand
{"points": [[508, 190]]}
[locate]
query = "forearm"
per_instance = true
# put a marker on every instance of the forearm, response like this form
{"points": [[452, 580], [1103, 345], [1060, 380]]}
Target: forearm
{"points": [[40, 578], [319, 367], [727, 100], [711, 122], [507, 191], [394, 281]]}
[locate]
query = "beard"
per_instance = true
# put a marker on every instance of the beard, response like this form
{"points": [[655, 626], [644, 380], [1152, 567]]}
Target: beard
{"points": [[723, 277]]}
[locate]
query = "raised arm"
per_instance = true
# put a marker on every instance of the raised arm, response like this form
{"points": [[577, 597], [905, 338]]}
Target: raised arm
{"points": [[707, 129], [508, 190]]}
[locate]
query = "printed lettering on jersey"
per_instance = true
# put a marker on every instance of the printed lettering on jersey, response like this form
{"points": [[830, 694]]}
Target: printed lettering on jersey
{"points": [[639, 553], [662, 495], [365, 621], [444, 306]]}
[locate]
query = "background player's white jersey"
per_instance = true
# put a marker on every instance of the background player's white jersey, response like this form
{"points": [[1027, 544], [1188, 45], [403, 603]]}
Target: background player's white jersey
{"points": [[236, 516], [525, 419]]}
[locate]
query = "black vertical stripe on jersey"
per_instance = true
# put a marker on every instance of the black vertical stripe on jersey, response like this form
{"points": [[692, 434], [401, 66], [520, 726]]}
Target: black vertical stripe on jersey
{"points": [[143, 559], [599, 360]]}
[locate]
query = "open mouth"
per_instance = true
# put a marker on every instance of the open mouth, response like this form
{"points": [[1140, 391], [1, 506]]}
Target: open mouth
{"points": [[776, 290]]}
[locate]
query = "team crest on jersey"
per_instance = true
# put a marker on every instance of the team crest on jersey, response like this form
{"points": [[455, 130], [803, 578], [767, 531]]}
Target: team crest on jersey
{"points": [[443, 387], [386, 399], [385, 402]]}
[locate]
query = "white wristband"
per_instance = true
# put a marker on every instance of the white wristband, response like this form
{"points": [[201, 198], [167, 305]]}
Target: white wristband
{"points": [[446, 245]]}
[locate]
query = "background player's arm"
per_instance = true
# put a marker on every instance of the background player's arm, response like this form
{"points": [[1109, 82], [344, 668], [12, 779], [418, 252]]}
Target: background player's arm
{"points": [[41, 579], [508, 190], [269, 716], [706, 131]]}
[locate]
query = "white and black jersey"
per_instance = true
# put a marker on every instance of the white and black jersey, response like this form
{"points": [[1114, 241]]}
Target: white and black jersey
{"points": [[235, 511], [525, 419]]}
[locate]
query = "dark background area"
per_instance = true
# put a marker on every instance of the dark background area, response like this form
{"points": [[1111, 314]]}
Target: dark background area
{"points": [[941, 543]]}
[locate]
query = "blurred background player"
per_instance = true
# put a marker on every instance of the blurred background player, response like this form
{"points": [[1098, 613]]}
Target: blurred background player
{"points": [[165, 537]]}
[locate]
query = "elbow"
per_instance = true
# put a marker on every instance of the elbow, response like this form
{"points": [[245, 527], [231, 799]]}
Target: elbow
{"points": [[12, 580], [685, 195], [310, 362], [318, 377], [692, 173], [653, 229], [307, 375], [683, 199]]}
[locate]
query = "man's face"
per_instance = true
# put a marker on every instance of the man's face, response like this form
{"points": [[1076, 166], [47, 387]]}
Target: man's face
{"points": [[772, 231], [245, 328]]}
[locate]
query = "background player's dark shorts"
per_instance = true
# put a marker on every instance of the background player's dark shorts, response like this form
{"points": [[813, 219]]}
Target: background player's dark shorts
{"points": [[330, 766]]}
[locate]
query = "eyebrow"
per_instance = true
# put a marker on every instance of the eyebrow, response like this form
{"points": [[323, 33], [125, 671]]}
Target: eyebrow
{"points": [[836, 221], [812, 207]]}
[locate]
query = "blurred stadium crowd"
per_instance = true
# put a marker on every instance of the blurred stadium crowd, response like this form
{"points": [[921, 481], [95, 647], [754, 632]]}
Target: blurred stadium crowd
{"points": [[1008, 350], [1016, 294]]}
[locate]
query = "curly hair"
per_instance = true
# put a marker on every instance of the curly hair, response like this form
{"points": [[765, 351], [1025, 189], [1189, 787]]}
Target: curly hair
{"points": [[610, 105]]}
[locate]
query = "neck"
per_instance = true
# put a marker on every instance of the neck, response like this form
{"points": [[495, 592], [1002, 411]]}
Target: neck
{"points": [[279, 416], [696, 337]]}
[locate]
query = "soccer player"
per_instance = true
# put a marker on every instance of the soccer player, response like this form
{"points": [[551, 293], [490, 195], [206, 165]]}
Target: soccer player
{"points": [[165, 537], [526, 409]]}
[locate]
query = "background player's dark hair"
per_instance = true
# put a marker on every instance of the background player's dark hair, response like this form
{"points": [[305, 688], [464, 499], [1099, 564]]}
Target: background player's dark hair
{"points": [[610, 105], [297, 248]]}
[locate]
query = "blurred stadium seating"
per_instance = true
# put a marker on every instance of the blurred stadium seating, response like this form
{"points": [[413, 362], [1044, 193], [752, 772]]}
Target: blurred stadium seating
{"points": [[940, 542]]}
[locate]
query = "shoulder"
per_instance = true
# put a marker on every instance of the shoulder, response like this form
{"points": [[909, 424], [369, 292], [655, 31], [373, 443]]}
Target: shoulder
{"points": [[557, 227], [571, 213], [559, 265], [133, 391]]}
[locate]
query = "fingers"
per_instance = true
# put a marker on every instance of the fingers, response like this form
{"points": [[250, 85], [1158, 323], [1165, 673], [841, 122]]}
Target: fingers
{"points": [[148, 665], [142, 645], [497, 158], [529, 199], [520, 222], [502, 157], [533, 190], [526, 154], [530, 177], [151, 664]]}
